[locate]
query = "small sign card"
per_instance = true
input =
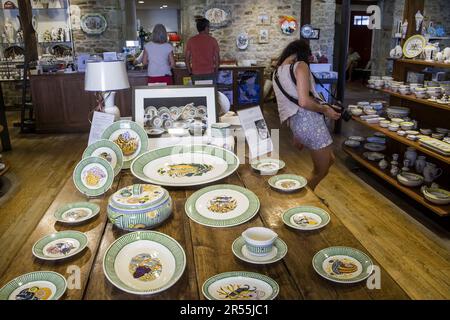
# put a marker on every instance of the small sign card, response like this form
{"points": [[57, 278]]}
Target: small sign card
{"points": [[256, 132], [100, 121]]}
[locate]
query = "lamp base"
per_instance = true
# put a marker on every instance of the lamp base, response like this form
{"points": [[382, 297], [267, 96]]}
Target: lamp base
{"points": [[113, 110]]}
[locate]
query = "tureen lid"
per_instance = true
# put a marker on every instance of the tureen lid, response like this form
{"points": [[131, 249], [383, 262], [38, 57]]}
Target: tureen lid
{"points": [[138, 197]]}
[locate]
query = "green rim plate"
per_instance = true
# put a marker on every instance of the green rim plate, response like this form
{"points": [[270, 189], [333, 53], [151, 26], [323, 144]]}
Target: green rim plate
{"points": [[303, 182], [104, 165], [39, 246], [171, 244], [132, 126], [325, 217], [365, 268], [91, 151], [241, 275], [54, 278], [137, 167], [239, 243], [254, 164], [92, 207], [194, 214]]}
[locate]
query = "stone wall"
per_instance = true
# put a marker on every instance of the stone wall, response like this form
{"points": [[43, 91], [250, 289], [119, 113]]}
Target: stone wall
{"points": [[244, 18], [438, 11], [112, 38]]}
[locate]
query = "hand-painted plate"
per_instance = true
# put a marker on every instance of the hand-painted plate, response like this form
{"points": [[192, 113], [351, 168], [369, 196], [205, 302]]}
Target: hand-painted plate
{"points": [[375, 147], [240, 285], [222, 206], [93, 176], [74, 213], [306, 218], [144, 262], [278, 252], [130, 137], [184, 165], [267, 165], [342, 264], [39, 285], [107, 150], [288, 182], [60, 245]]}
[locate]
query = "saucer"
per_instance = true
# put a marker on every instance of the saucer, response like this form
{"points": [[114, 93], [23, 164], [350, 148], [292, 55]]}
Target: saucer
{"points": [[278, 252]]}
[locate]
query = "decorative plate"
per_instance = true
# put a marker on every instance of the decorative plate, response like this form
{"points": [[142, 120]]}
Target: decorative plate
{"points": [[306, 218], [267, 165], [175, 113], [307, 31], [107, 150], [278, 252], [39, 285], [288, 24], [185, 165], [201, 112], [352, 143], [155, 132], [288, 182], [78, 212], [375, 147], [342, 264], [357, 138], [219, 17], [60, 245], [242, 41], [130, 137], [35, 22], [150, 112], [93, 24], [414, 46], [373, 156], [222, 206], [144, 262], [93, 176], [240, 285]]}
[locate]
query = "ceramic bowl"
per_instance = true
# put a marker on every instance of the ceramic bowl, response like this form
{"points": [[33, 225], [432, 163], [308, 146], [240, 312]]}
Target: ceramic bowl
{"points": [[393, 127], [410, 179], [421, 95], [397, 112], [442, 130], [220, 130], [352, 143], [407, 125], [404, 91], [438, 136], [139, 206], [401, 133], [426, 132], [412, 137], [259, 241], [412, 132], [363, 103], [436, 195], [434, 94], [385, 123], [356, 112], [397, 120], [267, 166]]}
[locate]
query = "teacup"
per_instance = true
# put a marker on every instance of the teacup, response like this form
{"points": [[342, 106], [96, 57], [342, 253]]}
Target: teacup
{"points": [[259, 241]]}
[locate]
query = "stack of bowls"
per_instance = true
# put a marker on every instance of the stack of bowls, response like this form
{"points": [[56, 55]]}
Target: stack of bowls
{"points": [[394, 87], [404, 89], [385, 123], [434, 92], [397, 112], [393, 126], [413, 86], [378, 84], [445, 88], [377, 106], [407, 125], [420, 93]]}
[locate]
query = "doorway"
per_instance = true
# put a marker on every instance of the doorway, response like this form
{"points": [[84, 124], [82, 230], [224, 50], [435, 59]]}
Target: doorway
{"points": [[361, 37]]}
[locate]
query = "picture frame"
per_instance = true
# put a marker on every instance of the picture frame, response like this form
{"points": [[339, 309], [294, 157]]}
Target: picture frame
{"points": [[316, 34], [93, 24], [173, 101], [264, 20], [263, 36]]}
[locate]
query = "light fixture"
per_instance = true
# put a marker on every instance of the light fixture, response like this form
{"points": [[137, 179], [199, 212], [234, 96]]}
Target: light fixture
{"points": [[141, 2]]}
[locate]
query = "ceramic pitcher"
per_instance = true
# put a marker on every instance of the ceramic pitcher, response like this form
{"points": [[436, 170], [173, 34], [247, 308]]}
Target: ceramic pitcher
{"points": [[420, 164], [411, 155], [431, 172]]}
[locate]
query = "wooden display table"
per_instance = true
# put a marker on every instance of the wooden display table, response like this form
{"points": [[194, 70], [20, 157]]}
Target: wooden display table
{"points": [[208, 250]]}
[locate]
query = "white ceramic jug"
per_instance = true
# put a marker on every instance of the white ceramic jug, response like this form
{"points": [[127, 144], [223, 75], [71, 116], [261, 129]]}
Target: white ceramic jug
{"points": [[411, 155], [420, 164], [431, 172]]}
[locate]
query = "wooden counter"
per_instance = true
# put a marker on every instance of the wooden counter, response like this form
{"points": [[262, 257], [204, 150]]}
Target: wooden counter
{"points": [[62, 105]]}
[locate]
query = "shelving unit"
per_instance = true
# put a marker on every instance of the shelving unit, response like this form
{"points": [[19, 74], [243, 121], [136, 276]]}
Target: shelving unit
{"points": [[414, 193], [429, 112]]}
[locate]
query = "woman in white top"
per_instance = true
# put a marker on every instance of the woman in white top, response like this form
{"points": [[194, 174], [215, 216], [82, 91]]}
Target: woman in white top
{"points": [[158, 55], [304, 113]]}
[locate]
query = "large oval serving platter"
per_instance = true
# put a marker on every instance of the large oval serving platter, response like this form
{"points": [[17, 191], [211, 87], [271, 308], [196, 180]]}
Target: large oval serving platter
{"points": [[342, 264], [144, 262], [130, 137], [93, 176], [222, 206], [39, 285], [107, 150], [60, 245], [185, 165], [240, 285]]}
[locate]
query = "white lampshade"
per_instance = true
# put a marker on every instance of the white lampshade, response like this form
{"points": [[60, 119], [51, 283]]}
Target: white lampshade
{"points": [[106, 76]]}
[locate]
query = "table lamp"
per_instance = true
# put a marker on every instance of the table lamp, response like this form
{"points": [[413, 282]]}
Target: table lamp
{"points": [[105, 78]]}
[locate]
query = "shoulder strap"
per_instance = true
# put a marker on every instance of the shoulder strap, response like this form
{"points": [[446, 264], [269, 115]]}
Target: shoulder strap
{"points": [[287, 95]]}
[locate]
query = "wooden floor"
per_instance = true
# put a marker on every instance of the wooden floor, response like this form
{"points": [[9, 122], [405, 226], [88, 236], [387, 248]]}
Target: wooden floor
{"points": [[413, 249]]}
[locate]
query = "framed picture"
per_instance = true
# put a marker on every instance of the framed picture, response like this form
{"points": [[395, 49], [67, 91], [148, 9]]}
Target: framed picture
{"points": [[263, 20], [249, 88], [315, 34], [93, 24], [170, 107], [263, 36]]}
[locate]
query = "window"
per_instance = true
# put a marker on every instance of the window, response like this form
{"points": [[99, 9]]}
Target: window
{"points": [[361, 20]]}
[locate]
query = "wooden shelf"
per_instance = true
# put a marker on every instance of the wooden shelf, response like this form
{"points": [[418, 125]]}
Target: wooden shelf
{"points": [[424, 63], [414, 99], [395, 136], [414, 193]]}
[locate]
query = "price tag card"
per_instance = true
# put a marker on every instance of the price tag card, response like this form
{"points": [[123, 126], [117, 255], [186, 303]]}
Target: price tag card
{"points": [[100, 121]]}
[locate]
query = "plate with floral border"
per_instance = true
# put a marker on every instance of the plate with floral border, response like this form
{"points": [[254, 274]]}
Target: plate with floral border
{"points": [[278, 252], [222, 206], [39, 285], [306, 218], [287, 183], [240, 285], [77, 212], [342, 264], [93, 176], [184, 165], [144, 262], [107, 150], [130, 137], [60, 245]]}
